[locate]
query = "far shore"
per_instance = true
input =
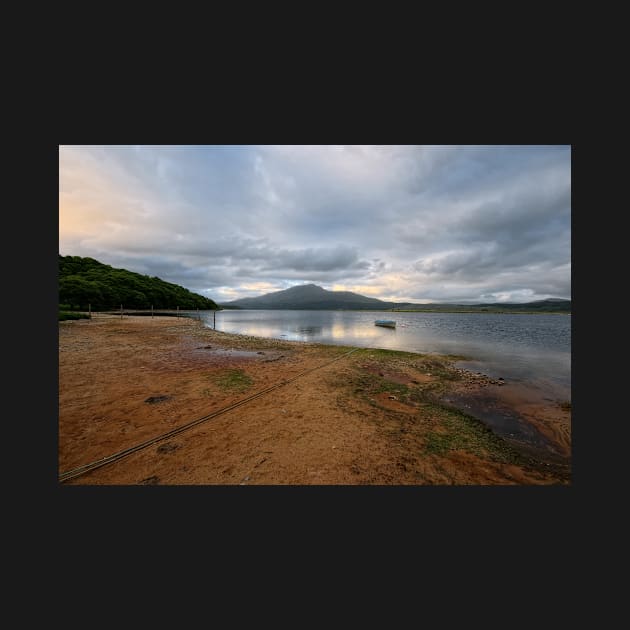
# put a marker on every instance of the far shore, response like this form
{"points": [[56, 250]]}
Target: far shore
{"points": [[190, 313], [213, 408]]}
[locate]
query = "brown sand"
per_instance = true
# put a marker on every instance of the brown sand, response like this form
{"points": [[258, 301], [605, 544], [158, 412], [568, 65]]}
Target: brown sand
{"points": [[122, 382]]}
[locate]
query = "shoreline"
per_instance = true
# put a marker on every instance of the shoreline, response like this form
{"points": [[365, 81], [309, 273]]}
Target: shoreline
{"points": [[554, 446], [374, 417]]}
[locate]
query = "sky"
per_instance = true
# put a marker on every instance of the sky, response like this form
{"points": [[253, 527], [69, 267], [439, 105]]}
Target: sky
{"points": [[400, 223]]}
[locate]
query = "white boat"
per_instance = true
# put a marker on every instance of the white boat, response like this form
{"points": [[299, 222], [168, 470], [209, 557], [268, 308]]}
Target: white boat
{"points": [[389, 323]]}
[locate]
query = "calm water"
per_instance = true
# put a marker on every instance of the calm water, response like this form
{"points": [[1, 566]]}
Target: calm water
{"points": [[533, 349]]}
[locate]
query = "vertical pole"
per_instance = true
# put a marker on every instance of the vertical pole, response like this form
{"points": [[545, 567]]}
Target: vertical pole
{"points": [[121, 311], [89, 311], [178, 310], [214, 320], [198, 314], [151, 311]]}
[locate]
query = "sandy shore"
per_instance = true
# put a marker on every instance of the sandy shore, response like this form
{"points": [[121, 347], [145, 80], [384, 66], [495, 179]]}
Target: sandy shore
{"points": [[369, 417]]}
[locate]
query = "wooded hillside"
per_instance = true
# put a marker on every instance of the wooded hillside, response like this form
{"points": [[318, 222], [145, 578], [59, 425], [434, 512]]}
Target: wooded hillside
{"points": [[84, 281]]}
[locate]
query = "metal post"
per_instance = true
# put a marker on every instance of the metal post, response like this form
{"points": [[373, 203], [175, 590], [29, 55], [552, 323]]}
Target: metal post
{"points": [[89, 310], [151, 311], [121, 311], [198, 314], [177, 310], [214, 320]]}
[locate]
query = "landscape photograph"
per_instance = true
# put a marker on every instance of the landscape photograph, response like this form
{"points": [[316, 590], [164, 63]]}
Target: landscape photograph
{"points": [[314, 315]]}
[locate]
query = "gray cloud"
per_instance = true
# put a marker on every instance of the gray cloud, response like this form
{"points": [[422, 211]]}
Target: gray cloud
{"points": [[317, 259], [398, 222]]}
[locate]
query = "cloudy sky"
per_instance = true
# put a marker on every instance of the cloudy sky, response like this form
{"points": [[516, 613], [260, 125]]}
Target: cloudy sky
{"points": [[401, 223]]}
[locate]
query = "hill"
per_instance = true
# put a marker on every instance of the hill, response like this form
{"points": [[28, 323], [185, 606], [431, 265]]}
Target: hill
{"points": [[551, 305], [313, 297], [309, 296], [84, 281]]}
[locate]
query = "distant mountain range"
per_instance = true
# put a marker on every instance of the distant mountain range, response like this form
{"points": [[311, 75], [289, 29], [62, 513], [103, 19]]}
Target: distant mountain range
{"points": [[313, 297]]}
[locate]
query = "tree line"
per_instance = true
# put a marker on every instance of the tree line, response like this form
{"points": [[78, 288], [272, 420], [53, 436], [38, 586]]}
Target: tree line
{"points": [[85, 281]]}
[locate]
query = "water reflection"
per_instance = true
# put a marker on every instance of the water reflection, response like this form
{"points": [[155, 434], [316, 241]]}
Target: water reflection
{"points": [[333, 329], [517, 347], [305, 333]]}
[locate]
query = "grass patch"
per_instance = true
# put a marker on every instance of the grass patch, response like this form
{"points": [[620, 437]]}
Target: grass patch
{"points": [[428, 392], [439, 370], [64, 315], [234, 380], [380, 353], [370, 384], [401, 391], [459, 431], [366, 384]]}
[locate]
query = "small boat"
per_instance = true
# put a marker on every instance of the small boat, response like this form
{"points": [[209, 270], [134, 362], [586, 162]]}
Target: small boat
{"points": [[385, 322]]}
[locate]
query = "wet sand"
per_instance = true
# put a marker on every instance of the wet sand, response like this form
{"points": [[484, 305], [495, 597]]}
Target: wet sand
{"points": [[371, 417]]}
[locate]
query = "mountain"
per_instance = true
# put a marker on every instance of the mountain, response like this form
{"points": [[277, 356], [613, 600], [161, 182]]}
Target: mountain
{"points": [[313, 297], [84, 281], [310, 296]]}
